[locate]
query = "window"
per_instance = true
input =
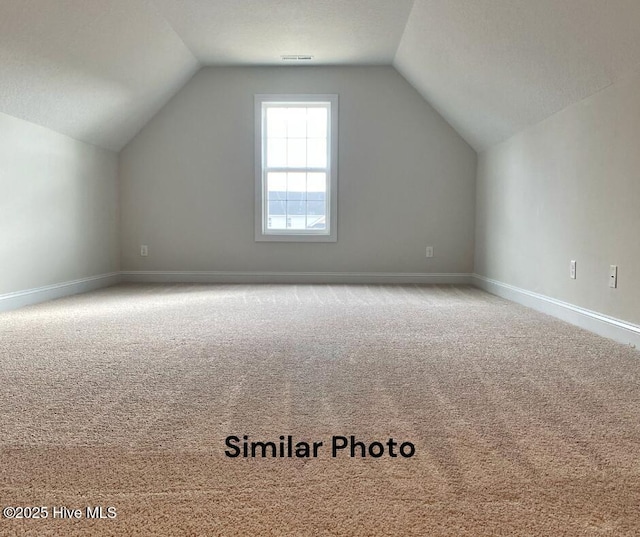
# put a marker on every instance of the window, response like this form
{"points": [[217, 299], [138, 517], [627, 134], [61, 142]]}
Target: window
{"points": [[296, 167]]}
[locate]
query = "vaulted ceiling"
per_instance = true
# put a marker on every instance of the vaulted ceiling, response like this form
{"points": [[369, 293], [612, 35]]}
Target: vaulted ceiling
{"points": [[495, 67], [98, 70]]}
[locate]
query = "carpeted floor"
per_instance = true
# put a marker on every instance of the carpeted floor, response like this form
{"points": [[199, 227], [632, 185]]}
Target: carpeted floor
{"points": [[123, 398]]}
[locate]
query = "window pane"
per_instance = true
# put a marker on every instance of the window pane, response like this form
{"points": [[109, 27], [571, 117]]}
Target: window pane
{"points": [[276, 152], [296, 217], [317, 122], [316, 222], [296, 222], [296, 122], [316, 196], [277, 208], [276, 186], [297, 208], [276, 122], [297, 156], [316, 208], [317, 153], [277, 222], [316, 184], [296, 186]]}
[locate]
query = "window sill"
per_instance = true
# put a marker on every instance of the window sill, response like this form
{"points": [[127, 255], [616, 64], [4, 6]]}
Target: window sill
{"points": [[292, 237]]}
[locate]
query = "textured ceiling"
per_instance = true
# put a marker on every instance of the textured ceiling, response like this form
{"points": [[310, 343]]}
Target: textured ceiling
{"points": [[97, 70], [494, 67]]}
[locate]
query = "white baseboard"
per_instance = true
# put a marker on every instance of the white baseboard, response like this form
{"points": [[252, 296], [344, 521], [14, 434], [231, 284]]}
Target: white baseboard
{"points": [[293, 277], [19, 299], [603, 325], [610, 327]]}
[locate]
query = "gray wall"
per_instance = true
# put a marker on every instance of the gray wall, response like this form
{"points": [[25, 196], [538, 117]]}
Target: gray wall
{"points": [[406, 179], [58, 208], [568, 188]]}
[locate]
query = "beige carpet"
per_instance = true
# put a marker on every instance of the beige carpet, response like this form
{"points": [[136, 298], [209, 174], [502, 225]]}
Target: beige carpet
{"points": [[522, 425]]}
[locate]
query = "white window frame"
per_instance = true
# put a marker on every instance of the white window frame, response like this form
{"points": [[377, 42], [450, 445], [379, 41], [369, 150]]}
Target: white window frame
{"points": [[262, 233]]}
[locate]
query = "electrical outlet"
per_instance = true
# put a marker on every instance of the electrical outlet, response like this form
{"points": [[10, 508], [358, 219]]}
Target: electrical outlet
{"points": [[613, 276], [429, 251], [144, 250], [572, 270]]}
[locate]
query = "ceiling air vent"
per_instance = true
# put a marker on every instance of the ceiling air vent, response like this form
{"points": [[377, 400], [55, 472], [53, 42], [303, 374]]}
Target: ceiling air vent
{"points": [[297, 57]]}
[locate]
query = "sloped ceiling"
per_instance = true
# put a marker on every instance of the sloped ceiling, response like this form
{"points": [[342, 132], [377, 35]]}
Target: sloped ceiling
{"points": [[95, 70], [98, 70], [495, 67]]}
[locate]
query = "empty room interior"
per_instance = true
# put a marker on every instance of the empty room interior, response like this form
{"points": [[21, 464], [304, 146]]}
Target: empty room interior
{"points": [[320, 267]]}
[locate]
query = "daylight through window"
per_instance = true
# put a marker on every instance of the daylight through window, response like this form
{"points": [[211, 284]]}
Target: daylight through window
{"points": [[296, 172]]}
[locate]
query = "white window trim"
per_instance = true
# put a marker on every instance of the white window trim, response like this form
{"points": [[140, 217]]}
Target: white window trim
{"points": [[331, 233]]}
